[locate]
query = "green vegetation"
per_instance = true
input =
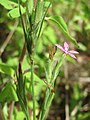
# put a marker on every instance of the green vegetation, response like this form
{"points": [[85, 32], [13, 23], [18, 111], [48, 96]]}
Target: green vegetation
{"points": [[39, 79]]}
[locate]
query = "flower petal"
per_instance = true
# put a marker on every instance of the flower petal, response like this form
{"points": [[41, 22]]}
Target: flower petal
{"points": [[73, 56], [60, 47], [73, 51], [66, 46]]}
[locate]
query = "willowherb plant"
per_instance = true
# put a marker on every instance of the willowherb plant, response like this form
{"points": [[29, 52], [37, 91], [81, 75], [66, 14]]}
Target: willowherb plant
{"points": [[35, 15]]}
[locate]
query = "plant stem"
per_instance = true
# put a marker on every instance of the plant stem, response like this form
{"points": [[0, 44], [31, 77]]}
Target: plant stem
{"points": [[33, 95], [11, 110], [48, 100], [50, 94]]}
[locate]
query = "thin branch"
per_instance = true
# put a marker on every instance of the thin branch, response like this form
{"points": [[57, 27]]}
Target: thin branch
{"points": [[11, 110], [21, 58], [67, 88], [8, 38], [23, 53], [67, 104]]}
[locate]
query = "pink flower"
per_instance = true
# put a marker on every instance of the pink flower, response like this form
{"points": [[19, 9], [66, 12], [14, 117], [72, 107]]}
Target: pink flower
{"points": [[66, 50]]}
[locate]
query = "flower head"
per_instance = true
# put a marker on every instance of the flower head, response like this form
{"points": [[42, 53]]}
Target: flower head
{"points": [[66, 50]]}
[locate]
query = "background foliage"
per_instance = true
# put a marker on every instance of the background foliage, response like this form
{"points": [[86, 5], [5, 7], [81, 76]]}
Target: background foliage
{"points": [[72, 91]]}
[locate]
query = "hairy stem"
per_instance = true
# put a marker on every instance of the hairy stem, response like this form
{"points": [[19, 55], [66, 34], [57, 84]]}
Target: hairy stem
{"points": [[33, 93]]}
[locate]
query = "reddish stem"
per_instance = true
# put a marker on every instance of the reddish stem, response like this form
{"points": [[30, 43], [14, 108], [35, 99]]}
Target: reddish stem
{"points": [[35, 1]]}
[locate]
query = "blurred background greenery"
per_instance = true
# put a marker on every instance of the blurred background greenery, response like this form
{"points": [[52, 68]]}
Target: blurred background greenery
{"points": [[72, 92]]}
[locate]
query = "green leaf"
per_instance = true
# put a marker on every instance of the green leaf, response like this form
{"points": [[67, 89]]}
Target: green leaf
{"points": [[39, 11], [14, 13], [36, 78], [49, 36], [30, 6], [38, 83], [60, 21], [30, 104], [8, 93], [6, 70], [8, 4], [25, 1], [19, 115], [47, 4], [63, 27]]}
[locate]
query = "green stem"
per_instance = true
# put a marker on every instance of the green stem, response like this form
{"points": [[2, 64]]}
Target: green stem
{"points": [[51, 77], [57, 68], [48, 100], [33, 94]]}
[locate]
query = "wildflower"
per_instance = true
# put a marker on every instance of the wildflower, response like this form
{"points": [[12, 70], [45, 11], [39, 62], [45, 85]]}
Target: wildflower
{"points": [[66, 50]]}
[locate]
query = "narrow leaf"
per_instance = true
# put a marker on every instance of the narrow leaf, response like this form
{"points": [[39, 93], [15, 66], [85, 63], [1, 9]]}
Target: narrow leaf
{"points": [[39, 11], [63, 27], [30, 6]]}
